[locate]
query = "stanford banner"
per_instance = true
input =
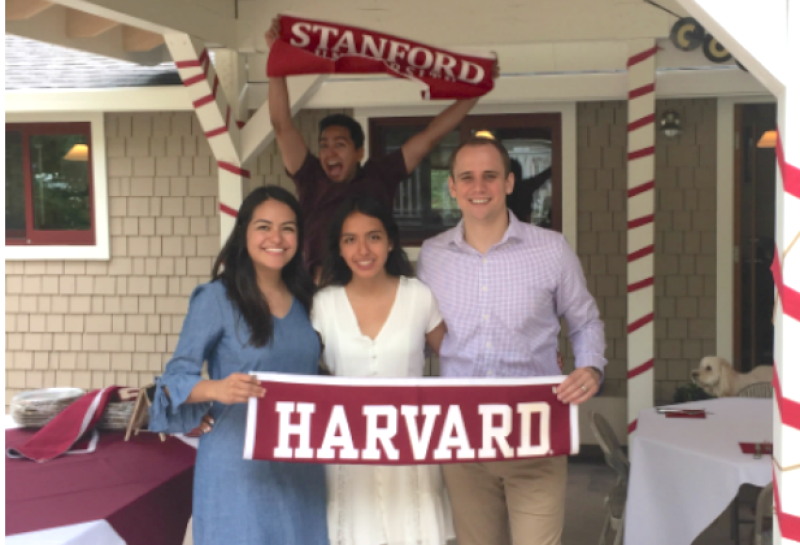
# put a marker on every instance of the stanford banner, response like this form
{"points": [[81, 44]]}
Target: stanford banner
{"points": [[308, 46], [408, 421]]}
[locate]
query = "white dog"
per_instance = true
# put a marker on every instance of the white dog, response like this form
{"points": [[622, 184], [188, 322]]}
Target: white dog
{"points": [[719, 379]]}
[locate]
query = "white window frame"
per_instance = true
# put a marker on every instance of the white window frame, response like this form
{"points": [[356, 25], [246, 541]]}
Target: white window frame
{"points": [[100, 251]]}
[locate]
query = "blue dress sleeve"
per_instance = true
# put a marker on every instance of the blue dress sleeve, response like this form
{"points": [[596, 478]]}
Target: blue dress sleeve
{"points": [[202, 330]]}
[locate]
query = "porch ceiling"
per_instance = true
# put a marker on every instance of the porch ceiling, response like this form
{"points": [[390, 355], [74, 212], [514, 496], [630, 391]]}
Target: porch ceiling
{"points": [[531, 37], [122, 29], [133, 30]]}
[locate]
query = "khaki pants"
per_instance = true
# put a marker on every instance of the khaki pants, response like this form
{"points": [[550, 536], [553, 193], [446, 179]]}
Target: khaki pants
{"points": [[524, 498]]}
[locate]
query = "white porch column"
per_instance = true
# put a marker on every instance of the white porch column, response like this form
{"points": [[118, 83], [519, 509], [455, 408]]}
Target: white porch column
{"points": [[786, 429], [641, 227], [767, 41], [215, 115]]}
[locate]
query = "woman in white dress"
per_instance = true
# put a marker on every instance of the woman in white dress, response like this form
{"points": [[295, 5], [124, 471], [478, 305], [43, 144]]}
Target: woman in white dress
{"points": [[374, 321]]}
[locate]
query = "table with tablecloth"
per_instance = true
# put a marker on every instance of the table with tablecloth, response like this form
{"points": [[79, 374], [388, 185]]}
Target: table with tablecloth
{"points": [[136, 492], [686, 471]]}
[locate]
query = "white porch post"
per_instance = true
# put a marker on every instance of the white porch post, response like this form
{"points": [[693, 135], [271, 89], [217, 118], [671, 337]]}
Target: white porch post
{"points": [[220, 124], [786, 429], [641, 226], [767, 41], [234, 143]]}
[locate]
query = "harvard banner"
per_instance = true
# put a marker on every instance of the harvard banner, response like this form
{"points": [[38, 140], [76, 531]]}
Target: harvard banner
{"points": [[308, 46], [408, 421]]}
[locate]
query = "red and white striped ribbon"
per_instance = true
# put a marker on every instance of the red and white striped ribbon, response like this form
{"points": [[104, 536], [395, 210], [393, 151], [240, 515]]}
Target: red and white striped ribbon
{"points": [[214, 114], [787, 323], [641, 236]]}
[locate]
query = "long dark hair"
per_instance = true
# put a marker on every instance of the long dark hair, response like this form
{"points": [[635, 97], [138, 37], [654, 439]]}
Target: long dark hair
{"points": [[335, 271], [235, 269]]}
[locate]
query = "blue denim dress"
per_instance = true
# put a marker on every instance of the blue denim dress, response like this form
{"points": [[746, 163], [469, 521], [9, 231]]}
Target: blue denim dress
{"points": [[239, 501]]}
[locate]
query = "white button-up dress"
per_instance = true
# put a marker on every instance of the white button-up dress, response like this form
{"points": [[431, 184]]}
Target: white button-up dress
{"points": [[377, 505]]}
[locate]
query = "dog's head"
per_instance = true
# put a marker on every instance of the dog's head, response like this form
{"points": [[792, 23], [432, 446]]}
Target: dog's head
{"points": [[712, 375]]}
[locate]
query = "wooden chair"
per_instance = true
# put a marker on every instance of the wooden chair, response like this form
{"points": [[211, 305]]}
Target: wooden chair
{"points": [[748, 492], [763, 536], [759, 389], [617, 460]]}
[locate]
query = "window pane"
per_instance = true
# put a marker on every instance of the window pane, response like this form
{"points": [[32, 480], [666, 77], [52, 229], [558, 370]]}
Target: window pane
{"points": [[60, 168], [531, 160], [423, 203], [535, 184], [15, 187]]}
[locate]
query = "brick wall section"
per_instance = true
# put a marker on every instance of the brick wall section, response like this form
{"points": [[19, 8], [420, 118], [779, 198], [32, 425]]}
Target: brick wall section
{"points": [[685, 261], [686, 231], [602, 179], [96, 323]]}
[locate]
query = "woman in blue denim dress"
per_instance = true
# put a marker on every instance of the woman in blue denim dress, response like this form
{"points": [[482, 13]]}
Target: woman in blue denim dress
{"points": [[254, 316]]}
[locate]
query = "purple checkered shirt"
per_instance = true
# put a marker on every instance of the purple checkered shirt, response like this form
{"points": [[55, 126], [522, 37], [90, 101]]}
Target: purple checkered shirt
{"points": [[502, 309]]}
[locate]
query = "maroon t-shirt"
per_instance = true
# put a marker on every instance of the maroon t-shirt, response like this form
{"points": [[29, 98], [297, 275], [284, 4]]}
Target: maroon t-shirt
{"points": [[320, 197]]}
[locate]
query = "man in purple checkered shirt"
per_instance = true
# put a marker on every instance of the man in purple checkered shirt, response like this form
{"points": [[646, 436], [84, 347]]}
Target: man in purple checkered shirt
{"points": [[502, 287]]}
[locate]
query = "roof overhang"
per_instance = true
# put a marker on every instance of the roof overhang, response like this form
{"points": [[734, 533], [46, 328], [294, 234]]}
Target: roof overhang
{"points": [[390, 92]]}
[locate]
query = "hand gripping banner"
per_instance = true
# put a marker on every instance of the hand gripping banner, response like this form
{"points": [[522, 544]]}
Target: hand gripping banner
{"points": [[308, 46], [408, 421]]}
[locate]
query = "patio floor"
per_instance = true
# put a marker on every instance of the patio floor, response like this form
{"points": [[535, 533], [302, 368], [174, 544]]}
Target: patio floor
{"points": [[587, 486]]}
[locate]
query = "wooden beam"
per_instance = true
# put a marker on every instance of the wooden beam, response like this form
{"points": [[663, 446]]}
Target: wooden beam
{"points": [[50, 27], [85, 25], [388, 92], [136, 39], [257, 133], [212, 26], [170, 98], [17, 10]]}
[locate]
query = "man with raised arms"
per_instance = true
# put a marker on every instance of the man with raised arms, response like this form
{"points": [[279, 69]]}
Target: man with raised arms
{"points": [[324, 182]]}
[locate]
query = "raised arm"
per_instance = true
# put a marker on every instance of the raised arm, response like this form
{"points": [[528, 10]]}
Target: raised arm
{"points": [[290, 142], [421, 144]]}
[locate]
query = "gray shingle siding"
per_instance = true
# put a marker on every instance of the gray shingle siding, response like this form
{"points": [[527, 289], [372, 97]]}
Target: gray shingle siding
{"points": [[30, 64]]}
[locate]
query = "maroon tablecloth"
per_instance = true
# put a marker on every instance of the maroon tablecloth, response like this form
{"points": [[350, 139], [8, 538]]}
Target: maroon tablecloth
{"points": [[143, 488]]}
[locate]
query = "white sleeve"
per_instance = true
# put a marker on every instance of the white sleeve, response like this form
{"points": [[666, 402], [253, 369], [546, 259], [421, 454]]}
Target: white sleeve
{"points": [[434, 316]]}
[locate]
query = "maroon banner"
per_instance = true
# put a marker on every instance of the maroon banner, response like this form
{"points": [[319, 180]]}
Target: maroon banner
{"points": [[308, 46], [408, 421], [62, 433]]}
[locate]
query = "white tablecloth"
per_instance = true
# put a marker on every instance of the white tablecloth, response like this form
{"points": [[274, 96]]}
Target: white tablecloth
{"points": [[95, 532], [685, 471]]}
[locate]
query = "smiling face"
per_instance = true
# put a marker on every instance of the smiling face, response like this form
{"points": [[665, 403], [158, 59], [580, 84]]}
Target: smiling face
{"points": [[479, 183], [364, 245], [338, 154], [272, 236]]}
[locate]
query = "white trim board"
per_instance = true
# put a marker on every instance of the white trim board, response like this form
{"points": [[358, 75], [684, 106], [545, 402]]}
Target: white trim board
{"points": [[387, 92], [101, 249], [569, 148], [725, 219], [130, 99]]}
